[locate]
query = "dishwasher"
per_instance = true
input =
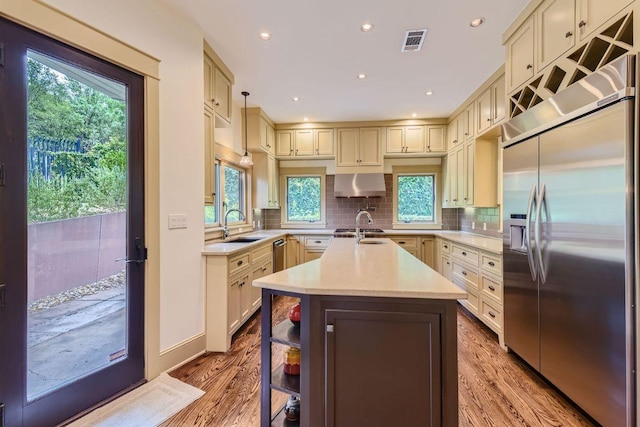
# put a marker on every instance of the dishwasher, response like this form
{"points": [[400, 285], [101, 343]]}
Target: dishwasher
{"points": [[278, 255]]}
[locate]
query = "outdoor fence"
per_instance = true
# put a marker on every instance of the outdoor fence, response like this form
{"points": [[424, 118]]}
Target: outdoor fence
{"points": [[43, 152]]}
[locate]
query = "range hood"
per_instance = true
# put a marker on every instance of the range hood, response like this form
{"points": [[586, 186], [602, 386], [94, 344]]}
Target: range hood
{"points": [[359, 185]]}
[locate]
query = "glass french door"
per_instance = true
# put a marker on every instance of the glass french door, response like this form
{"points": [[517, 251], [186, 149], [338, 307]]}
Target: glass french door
{"points": [[71, 229]]}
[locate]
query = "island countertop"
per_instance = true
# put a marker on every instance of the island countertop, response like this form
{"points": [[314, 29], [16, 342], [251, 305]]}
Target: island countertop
{"points": [[367, 270]]}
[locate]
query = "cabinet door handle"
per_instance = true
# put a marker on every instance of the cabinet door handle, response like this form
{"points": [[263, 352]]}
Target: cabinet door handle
{"points": [[492, 315], [448, 263], [529, 66], [488, 120], [317, 151], [491, 263], [446, 246], [241, 284], [582, 23], [318, 241], [464, 254], [240, 262], [568, 34], [464, 273], [264, 269], [455, 200], [401, 243], [492, 288], [217, 104]]}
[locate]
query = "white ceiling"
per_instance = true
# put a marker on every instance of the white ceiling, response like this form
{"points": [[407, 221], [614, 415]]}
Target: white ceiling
{"points": [[317, 49]]}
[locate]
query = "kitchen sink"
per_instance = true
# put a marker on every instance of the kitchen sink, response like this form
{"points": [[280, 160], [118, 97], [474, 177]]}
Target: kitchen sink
{"points": [[371, 242], [244, 240]]}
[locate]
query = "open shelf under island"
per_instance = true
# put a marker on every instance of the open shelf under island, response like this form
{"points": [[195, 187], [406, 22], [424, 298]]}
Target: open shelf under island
{"points": [[377, 339]]}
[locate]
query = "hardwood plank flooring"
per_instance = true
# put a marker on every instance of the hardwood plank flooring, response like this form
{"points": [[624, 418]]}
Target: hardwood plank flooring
{"points": [[495, 388]]}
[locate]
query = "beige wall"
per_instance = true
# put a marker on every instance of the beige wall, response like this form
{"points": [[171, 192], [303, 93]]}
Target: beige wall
{"points": [[149, 26]]}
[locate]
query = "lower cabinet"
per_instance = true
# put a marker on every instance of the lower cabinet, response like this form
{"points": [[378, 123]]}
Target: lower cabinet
{"points": [[230, 297], [408, 243], [306, 248], [480, 274], [356, 352], [428, 250]]}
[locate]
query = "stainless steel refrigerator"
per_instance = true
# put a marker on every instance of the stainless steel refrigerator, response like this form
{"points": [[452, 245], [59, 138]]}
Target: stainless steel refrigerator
{"points": [[569, 223]]}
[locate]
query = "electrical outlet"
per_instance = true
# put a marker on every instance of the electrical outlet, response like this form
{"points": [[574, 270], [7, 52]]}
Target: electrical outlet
{"points": [[484, 226], [253, 224], [258, 223], [473, 225], [177, 221]]}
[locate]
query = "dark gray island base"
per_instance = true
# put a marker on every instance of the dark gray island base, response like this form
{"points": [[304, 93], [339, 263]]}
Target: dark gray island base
{"points": [[365, 361]]}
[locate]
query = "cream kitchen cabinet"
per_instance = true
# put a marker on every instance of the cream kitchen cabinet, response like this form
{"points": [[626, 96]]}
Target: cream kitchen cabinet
{"points": [[459, 130], [555, 30], [412, 141], [428, 251], [468, 123], [480, 273], [519, 64], [405, 139], [313, 247], [408, 243], [260, 131], [490, 106], [316, 143], [230, 298], [265, 181], [358, 147], [217, 89], [472, 175], [209, 157], [591, 14]]}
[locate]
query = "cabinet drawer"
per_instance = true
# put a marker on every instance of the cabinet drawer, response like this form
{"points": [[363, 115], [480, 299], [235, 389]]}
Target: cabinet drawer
{"points": [[462, 252], [261, 252], [317, 241], [471, 303], [490, 315], [238, 262], [491, 263], [491, 288], [465, 275], [406, 242], [445, 246]]}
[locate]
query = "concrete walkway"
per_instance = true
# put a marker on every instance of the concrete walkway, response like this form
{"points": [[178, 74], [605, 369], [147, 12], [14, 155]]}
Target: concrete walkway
{"points": [[73, 339]]}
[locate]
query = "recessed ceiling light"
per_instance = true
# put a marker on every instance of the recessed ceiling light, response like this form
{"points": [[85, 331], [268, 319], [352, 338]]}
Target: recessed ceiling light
{"points": [[414, 115], [295, 99], [429, 93], [476, 22], [361, 76], [367, 26], [265, 35], [306, 119]]}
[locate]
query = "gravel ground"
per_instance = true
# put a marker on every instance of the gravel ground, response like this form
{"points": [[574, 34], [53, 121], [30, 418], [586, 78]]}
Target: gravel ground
{"points": [[115, 281]]}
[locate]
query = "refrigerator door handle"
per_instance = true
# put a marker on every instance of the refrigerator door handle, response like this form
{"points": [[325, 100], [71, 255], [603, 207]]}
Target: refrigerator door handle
{"points": [[527, 232], [542, 201]]}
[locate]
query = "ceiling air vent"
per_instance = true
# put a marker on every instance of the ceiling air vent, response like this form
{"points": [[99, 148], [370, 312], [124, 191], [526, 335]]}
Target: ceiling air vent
{"points": [[413, 40]]}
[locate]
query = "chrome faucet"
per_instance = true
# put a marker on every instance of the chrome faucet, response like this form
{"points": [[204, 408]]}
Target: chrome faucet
{"points": [[225, 229], [370, 221]]}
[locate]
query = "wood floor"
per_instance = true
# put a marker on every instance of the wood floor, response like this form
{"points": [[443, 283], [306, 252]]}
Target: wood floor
{"points": [[495, 388]]}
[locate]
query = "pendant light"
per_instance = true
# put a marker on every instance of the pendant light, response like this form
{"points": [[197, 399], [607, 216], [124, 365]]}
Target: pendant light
{"points": [[245, 160]]}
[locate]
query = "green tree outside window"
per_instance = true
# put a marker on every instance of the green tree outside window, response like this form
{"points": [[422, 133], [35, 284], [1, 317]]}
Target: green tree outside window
{"points": [[415, 198], [303, 198]]}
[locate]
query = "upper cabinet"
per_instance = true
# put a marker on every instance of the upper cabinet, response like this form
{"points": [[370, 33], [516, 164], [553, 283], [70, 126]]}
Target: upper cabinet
{"points": [[555, 43], [359, 147], [218, 81], [265, 181], [593, 13], [519, 51], [260, 131], [300, 143], [555, 30], [209, 158], [490, 106], [413, 141]]}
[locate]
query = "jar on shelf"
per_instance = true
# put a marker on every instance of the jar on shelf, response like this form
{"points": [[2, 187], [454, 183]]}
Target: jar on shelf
{"points": [[292, 409], [291, 362]]}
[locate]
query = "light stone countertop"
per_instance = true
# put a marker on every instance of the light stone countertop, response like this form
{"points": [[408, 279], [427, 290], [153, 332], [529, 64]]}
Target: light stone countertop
{"points": [[368, 270], [489, 244]]}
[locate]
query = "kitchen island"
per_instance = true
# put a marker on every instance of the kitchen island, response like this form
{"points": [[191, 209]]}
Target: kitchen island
{"points": [[377, 339]]}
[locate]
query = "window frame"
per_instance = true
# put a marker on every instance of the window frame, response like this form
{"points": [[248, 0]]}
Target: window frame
{"points": [[220, 207], [430, 170], [285, 174]]}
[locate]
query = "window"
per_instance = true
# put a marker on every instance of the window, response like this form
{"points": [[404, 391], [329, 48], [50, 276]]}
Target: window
{"points": [[417, 192], [304, 204], [416, 198], [230, 190]]}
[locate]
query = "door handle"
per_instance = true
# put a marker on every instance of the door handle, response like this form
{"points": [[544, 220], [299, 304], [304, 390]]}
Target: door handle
{"points": [[542, 201], [527, 233]]}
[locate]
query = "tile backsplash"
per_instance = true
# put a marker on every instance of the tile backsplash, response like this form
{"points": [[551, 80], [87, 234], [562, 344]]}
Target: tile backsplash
{"points": [[470, 217], [341, 211]]}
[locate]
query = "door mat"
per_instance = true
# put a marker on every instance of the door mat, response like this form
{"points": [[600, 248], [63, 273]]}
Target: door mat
{"points": [[146, 406]]}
